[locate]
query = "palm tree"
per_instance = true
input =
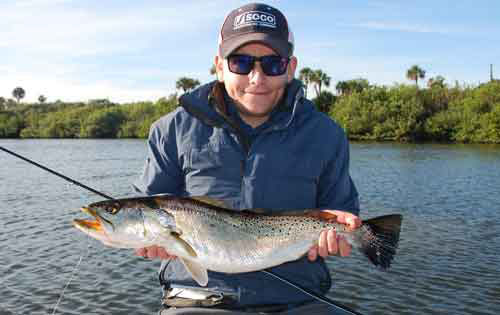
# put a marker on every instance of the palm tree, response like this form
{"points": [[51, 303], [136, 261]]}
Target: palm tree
{"points": [[342, 87], [213, 70], [319, 78], [42, 99], [415, 73], [305, 76], [186, 84], [437, 81], [18, 93]]}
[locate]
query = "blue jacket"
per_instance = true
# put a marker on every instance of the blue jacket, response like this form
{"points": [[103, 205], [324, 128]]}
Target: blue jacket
{"points": [[298, 159]]}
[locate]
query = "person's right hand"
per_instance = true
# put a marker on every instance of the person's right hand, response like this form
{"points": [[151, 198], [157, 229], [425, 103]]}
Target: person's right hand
{"points": [[153, 252]]}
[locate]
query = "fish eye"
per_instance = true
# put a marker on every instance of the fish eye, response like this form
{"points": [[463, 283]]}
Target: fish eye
{"points": [[113, 209]]}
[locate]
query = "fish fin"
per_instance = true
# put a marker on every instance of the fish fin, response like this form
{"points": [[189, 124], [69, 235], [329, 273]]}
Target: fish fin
{"points": [[211, 201], [256, 211], [197, 271], [182, 246], [279, 212], [379, 239]]}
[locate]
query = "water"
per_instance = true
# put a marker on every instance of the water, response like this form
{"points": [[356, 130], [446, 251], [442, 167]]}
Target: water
{"points": [[448, 260]]}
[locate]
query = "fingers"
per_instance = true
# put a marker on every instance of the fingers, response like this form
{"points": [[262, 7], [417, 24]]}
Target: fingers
{"points": [[353, 221], [163, 254], [344, 247], [313, 253], [141, 252], [323, 244], [153, 252], [329, 243], [332, 242], [347, 218]]}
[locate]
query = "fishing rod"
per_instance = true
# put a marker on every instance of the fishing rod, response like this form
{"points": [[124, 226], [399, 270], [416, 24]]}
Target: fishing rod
{"points": [[318, 297], [321, 298], [57, 174]]}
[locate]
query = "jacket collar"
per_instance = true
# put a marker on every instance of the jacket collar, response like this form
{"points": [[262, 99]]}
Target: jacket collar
{"points": [[207, 104]]}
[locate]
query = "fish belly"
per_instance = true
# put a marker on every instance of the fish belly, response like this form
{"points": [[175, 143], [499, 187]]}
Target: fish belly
{"points": [[225, 250]]}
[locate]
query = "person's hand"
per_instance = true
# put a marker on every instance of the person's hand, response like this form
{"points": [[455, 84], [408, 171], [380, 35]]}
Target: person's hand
{"points": [[329, 243], [153, 252]]}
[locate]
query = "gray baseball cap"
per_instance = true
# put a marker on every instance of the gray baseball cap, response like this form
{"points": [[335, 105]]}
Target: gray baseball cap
{"points": [[256, 22]]}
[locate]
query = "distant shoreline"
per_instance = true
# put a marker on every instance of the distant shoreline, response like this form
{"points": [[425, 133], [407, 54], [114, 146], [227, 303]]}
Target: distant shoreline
{"points": [[402, 113]]}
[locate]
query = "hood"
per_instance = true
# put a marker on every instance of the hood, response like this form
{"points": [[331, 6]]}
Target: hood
{"points": [[207, 104]]}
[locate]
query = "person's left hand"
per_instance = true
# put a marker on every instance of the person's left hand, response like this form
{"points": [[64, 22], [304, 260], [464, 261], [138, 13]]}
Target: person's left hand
{"points": [[329, 243]]}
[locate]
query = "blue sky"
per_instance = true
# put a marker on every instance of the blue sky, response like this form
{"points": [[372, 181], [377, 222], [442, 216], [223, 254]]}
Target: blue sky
{"points": [[135, 50]]}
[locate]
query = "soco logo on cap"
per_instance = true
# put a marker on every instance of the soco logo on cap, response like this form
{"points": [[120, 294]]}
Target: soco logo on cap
{"points": [[255, 18]]}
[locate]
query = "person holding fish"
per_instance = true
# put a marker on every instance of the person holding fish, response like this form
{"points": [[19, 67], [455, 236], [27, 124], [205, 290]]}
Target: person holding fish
{"points": [[252, 140]]}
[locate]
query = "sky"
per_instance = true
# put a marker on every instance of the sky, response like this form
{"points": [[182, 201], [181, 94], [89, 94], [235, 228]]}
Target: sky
{"points": [[128, 51]]}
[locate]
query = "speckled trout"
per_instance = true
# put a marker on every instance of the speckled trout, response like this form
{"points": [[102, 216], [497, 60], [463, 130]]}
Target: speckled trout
{"points": [[206, 235]]}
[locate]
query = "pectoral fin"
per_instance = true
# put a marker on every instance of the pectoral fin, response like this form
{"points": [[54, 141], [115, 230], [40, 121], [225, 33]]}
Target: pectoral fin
{"points": [[179, 246], [197, 271]]}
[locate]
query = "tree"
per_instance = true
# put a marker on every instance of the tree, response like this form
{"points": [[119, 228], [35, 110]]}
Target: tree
{"points": [[305, 75], [342, 88], [2, 103], [18, 93], [319, 78], [186, 84], [415, 73], [324, 101], [213, 71], [437, 81], [350, 86], [42, 99]]}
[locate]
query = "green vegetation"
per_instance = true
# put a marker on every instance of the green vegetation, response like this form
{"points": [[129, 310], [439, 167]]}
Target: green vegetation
{"points": [[438, 112], [95, 119]]}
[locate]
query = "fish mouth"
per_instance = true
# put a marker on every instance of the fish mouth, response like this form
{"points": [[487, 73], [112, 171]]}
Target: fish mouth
{"points": [[89, 225]]}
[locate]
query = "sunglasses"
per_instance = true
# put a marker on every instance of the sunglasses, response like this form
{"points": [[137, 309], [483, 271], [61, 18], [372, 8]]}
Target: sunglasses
{"points": [[271, 65]]}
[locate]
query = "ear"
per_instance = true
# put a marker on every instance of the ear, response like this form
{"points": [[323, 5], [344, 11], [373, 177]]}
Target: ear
{"points": [[219, 68], [292, 65]]}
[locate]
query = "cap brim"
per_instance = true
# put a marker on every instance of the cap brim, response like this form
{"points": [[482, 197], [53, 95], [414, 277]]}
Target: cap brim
{"points": [[280, 46]]}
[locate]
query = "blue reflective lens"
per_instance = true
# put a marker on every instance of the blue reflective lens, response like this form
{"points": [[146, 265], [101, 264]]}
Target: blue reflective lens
{"points": [[271, 65]]}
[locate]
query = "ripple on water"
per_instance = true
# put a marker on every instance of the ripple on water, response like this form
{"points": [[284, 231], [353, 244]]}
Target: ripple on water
{"points": [[447, 262]]}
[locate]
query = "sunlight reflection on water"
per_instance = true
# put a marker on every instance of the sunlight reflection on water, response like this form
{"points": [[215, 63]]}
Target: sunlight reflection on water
{"points": [[447, 261]]}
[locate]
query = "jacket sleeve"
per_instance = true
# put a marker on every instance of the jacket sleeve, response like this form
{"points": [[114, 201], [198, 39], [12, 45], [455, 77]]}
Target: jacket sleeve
{"points": [[162, 173], [336, 190]]}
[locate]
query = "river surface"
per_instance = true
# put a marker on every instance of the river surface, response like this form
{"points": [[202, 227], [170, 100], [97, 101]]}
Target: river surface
{"points": [[448, 260]]}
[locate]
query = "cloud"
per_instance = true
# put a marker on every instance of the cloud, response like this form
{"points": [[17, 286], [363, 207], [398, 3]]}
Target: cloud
{"points": [[43, 26], [72, 51]]}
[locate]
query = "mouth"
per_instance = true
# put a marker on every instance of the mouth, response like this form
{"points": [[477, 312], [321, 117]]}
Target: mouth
{"points": [[89, 225], [257, 93]]}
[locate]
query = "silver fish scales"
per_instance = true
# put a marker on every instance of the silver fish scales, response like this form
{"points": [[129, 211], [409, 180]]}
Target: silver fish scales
{"points": [[205, 235]]}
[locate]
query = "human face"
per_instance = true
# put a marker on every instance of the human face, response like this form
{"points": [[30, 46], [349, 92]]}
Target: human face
{"points": [[255, 94]]}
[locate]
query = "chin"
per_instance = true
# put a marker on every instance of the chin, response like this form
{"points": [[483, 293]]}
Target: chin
{"points": [[259, 110], [259, 104]]}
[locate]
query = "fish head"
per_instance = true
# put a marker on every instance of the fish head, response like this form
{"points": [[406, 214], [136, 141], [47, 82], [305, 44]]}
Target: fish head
{"points": [[125, 223]]}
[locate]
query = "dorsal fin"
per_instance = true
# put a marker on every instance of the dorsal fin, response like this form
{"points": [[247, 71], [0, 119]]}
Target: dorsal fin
{"points": [[294, 212], [211, 201]]}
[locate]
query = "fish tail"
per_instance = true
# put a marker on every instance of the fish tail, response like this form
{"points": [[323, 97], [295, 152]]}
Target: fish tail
{"points": [[379, 239]]}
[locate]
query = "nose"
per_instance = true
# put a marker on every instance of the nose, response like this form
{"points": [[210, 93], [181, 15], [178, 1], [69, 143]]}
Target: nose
{"points": [[256, 76]]}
